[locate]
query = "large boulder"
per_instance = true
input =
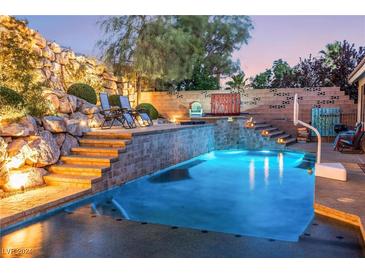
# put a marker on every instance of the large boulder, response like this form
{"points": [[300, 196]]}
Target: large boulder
{"points": [[69, 143], [68, 104], [48, 53], [3, 149], [55, 47], [24, 127], [95, 120], [45, 150], [88, 108], [59, 138], [80, 117], [25, 177], [73, 127], [53, 100], [54, 124], [18, 150]]}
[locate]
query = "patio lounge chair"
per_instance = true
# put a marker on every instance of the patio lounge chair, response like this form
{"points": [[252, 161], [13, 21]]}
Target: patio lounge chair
{"points": [[195, 109], [140, 115], [354, 143], [112, 114]]}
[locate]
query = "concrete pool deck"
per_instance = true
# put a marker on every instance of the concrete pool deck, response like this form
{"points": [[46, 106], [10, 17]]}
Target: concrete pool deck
{"points": [[344, 201]]}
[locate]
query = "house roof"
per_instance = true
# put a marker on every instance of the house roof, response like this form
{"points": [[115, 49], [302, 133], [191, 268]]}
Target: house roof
{"points": [[357, 72]]}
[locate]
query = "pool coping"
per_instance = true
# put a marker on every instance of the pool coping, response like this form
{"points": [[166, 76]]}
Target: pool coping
{"points": [[342, 216]]}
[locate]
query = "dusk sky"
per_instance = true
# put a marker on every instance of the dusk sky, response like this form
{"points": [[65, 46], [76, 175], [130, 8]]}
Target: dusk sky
{"points": [[273, 37]]}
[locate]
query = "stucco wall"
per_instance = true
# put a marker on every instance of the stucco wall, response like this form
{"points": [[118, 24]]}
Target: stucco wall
{"points": [[272, 105]]}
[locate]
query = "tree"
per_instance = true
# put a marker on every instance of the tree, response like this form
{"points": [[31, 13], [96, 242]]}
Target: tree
{"points": [[172, 48], [340, 59], [201, 79], [262, 80], [282, 74], [150, 46], [331, 68], [238, 82]]}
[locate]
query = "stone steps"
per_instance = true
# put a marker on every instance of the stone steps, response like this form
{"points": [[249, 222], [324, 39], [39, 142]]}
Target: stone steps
{"points": [[107, 135], [274, 134], [98, 142], [289, 141], [95, 151], [83, 170], [88, 160], [283, 136], [261, 126], [69, 179]]}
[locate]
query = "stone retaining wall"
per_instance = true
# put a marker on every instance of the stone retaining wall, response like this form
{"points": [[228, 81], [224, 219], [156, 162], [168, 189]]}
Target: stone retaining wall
{"points": [[154, 151], [233, 135]]}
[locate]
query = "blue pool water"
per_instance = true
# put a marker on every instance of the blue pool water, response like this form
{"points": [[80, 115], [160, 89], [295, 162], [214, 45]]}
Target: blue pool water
{"points": [[255, 193]]}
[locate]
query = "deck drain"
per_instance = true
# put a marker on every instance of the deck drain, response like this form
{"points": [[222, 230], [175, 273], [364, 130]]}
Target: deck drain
{"points": [[114, 210], [108, 202], [174, 227], [339, 237], [271, 240], [238, 236], [119, 219], [143, 223], [307, 234], [314, 224], [69, 212], [204, 231]]}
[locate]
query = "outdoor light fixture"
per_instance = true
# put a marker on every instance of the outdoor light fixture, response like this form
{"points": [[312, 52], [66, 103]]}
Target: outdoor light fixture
{"points": [[264, 133], [17, 180], [250, 123], [281, 141]]}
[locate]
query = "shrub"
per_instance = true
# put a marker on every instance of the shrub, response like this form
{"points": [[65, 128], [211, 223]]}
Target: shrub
{"points": [[114, 100], [150, 109], [9, 97], [83, 91]]}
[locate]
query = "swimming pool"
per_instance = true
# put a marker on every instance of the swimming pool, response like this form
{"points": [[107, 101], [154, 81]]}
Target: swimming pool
{"points": [[254, 193]]}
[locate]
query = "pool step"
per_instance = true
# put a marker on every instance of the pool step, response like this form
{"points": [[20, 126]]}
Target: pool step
{"points": [[67, 179], [266, 131], [88, 160], [282, 136], [74, 169], [261, 126], [98, 142], [101, 134], [276, 133], [96, 151], [290, 141]]}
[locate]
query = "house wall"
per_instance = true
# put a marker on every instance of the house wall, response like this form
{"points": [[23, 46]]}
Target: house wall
{"points": [[361, 100]]}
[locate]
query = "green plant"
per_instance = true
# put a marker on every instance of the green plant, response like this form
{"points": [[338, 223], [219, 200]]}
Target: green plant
{"points": [[83, 91], [114, 100], [10, 97], [150, 109], [12, 106]]}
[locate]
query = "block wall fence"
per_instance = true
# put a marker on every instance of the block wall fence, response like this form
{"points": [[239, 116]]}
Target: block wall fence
{"points": [[271, 105]]}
